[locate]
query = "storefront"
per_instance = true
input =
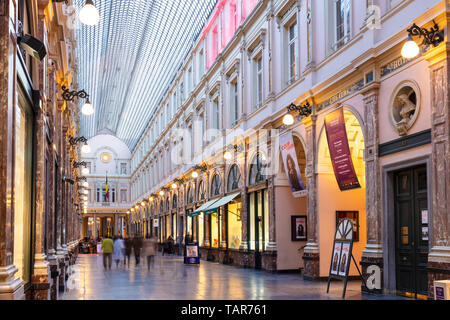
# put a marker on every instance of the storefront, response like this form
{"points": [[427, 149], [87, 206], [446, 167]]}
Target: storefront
{"points": [[258, 214]]}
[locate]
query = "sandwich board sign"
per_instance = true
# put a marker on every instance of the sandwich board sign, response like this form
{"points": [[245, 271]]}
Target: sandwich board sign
{"points": [[342, 253]]}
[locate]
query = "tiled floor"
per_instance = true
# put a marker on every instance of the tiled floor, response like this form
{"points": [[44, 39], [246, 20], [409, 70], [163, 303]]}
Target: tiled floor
{"points": [[170, 279]]}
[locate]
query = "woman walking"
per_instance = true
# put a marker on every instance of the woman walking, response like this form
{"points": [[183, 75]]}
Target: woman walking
{"points": [[118, 250]]}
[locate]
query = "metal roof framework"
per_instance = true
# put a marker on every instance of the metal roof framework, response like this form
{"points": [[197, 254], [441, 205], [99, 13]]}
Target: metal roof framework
{"points": [[127, 62]]}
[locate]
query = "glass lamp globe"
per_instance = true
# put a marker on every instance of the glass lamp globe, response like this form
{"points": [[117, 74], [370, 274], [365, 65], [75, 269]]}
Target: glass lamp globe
{"points": [[195, 174], [410, 49], [85, 171], [86, 148], [86, 184], [87, 109], [89, 14], [174, 186], [288, 119], [227, 155], [161, 193]]}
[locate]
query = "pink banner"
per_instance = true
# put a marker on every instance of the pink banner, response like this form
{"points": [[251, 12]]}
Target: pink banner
{"points": [[341, 157]]}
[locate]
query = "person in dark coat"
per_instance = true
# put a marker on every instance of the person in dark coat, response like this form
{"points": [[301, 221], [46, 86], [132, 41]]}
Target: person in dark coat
{"points": [[137, 246], [127, 253]]}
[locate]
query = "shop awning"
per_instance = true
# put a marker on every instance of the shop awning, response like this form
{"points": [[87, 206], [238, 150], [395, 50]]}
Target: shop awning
{"points": [[203, 208], [221, 202]]}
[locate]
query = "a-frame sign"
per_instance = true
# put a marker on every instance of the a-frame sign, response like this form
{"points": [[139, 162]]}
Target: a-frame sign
{"points": [[342, 252]]}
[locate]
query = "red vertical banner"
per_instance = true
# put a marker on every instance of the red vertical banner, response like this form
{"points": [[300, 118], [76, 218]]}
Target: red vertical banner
{"points": [[341, 157]]}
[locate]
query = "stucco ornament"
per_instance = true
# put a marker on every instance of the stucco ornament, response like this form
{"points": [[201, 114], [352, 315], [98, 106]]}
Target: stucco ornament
{"points": [[405, 108]]}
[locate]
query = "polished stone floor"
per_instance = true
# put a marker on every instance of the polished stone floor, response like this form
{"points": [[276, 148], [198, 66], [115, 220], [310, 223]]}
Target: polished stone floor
{"points": [[170, 279]]}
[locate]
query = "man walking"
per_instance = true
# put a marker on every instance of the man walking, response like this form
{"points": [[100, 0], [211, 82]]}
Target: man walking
{"points": [[137, 246], [108, 249]]}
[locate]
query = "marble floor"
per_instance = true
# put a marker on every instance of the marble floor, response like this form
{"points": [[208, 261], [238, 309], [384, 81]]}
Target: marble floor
{"points": [[170, 279]]}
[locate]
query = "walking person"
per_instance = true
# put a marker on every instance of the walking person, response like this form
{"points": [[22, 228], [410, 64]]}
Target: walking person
{"points": [[149, 250], [118, 250], [128, 244], [137, 246], [108, 249]]}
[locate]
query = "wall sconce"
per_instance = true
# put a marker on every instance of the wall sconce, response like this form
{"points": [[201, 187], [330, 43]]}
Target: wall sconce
{"points": [[236, 148], [430, 37], [85, 148], [197, 168], [79, 164], [303, 111], [68, 95]]}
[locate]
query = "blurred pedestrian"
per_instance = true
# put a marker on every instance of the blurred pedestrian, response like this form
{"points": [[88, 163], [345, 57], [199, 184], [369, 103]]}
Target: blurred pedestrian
{"points": [[118, 250], [137, 246], [149, 250], [128, 243], [108, 249]]}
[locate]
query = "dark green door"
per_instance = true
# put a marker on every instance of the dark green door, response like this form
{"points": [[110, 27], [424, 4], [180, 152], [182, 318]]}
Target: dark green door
{"points": [[411, 217]]}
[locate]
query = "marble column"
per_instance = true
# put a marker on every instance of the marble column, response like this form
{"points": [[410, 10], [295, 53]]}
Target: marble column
{"points": [[372, 256], [40, 278], [270, 254], [11, 287], [311, 252], [439, 256]]}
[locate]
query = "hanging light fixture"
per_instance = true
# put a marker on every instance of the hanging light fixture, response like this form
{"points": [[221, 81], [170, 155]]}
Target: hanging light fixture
{"points": [[86, 184], [227, 155], [161, 193], [85, 171], [85, 148], [195, 174], [89, 14], [87, 108]]}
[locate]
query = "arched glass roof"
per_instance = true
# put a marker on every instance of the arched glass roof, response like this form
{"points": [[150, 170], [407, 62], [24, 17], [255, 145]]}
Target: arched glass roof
{"points": [[127, 62]]}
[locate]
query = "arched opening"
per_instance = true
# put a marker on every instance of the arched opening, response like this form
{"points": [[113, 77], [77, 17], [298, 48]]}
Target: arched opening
{"points": [[334, 204], [233, 209], [215, 218]]}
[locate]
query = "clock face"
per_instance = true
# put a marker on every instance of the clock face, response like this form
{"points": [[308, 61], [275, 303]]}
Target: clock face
{"points": [[105, 157]]}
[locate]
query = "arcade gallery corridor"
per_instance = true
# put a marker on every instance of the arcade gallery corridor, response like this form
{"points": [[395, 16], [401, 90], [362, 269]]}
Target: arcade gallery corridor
{"points": [[248, 150]]}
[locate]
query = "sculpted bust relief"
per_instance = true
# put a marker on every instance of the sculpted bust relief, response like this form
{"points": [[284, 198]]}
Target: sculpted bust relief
{"points": [[404, 108]]}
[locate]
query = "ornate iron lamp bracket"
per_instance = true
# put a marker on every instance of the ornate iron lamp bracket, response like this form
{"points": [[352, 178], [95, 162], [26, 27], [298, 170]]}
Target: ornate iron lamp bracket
{"points": [[73, 141], [303, 110], [70, 95], [431, 37]]}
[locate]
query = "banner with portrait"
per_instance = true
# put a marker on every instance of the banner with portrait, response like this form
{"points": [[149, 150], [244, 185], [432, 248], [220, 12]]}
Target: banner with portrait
{"points": [[290, 161], [341, 158]]}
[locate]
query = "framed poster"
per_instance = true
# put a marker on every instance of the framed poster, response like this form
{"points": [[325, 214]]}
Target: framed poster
{"points": [[353, 216], [298, 228], [336, 256], [345, 259]]}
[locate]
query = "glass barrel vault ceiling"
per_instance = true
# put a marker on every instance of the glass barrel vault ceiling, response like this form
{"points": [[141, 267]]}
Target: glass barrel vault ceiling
{"points": [[127, 62]]}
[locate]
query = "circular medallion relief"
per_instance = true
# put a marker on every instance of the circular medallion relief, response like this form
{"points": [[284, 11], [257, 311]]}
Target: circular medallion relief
{"points": [[105, 157], [404, 107]]}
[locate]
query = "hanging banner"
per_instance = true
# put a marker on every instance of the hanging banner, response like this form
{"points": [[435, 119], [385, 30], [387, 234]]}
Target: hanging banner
{"points": [[290, 161], [341, 157]]}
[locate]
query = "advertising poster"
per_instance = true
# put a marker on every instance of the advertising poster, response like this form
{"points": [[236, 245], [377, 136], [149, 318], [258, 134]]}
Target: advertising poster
{"points": [[291, 163], [341, 157], [298, 228], [191, 254], [336, 255], [345, 259]]}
